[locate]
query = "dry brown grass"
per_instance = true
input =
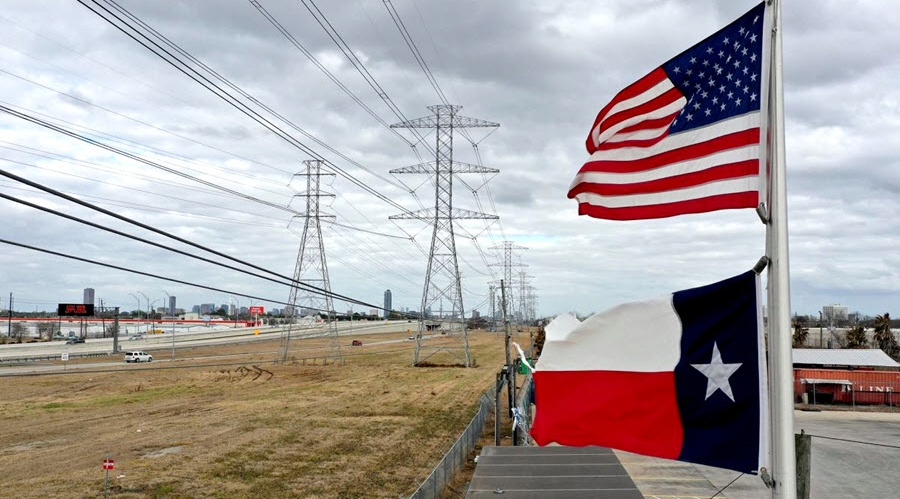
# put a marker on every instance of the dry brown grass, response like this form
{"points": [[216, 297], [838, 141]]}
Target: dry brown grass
{"points": [[373, 427]]}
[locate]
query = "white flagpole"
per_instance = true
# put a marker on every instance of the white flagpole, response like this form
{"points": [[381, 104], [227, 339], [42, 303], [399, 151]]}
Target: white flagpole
{"points": [[779, 295]]}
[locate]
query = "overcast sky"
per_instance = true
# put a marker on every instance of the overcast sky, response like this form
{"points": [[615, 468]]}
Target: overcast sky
{"points": [[541, 69]]}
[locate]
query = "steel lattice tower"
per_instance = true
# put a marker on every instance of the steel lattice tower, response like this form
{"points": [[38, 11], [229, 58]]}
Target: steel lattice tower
{"points": [[442, 280], [311, 269], [523, 310], [508, 264]]}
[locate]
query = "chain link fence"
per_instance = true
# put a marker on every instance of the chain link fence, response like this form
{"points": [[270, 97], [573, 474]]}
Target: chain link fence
{"points": [[455, 458]]}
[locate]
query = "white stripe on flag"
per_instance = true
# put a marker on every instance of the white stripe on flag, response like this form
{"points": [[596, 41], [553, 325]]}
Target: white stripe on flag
{"points": [[616, 340], [659, 112], [643, 134], [718, 188], [651, 93], [745, 153], [679, 140]]}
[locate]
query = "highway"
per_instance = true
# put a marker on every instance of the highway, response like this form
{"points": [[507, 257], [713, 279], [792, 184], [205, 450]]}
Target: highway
{"points": [[12, 356]]}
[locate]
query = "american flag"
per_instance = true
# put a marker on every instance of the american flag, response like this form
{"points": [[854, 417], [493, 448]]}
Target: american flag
{"points": [[683, 139]]}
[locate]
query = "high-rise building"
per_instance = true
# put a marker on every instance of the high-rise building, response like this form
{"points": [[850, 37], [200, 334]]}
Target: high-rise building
{"points": [[835, 312], [387, 304], [88, 296], [171, 306]]}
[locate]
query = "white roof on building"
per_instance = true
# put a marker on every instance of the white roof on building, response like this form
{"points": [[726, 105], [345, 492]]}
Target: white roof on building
{"points": [[823, 381], [843, 357]]}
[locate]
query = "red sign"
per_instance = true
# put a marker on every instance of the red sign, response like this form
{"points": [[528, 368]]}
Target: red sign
{"points": [[257, 310], [108, 464], [77, 309]]}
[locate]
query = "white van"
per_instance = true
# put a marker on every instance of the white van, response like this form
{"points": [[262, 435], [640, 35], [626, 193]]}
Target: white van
{"points": [[138, 356]]}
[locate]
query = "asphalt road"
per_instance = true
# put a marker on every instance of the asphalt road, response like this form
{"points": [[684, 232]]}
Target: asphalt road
{"points": [[839, 469], [159, 345]]}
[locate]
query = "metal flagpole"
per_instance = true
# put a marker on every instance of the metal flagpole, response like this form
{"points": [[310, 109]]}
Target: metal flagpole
{"points": [[779, 295]]}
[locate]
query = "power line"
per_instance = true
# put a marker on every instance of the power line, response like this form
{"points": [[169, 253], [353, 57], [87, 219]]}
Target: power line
{"points": [[360, 67], [75, 161], [395, 16], [139, 206], [312, 58], [58, 129], [150, 209], [133, 271], [164, 233], [195, 75], [149, 125]]}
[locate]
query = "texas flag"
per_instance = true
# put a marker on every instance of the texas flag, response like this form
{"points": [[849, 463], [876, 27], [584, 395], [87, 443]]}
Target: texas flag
{"points": [[681, 377]]}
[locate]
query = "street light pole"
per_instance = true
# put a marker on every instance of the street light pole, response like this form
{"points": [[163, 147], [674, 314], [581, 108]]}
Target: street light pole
{"points": [[820, 330], [148, 310], [172, 314], [237, 303], [136, 328]]}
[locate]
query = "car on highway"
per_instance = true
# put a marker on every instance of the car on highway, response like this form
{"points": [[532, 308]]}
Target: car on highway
{"points": [[138, 356], [136, 336], [73, 340]]}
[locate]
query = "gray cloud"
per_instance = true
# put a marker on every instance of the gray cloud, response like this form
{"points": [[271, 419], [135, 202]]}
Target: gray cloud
{"points": [[542, 70]]}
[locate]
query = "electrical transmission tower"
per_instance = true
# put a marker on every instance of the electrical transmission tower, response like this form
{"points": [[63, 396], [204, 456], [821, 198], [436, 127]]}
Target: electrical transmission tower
{"points": [[512, 304], [311, 269], [442, 281], [523, 310]]}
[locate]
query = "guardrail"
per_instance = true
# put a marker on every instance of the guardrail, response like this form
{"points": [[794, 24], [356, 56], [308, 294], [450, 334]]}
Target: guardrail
{"points": [[22, 359]]}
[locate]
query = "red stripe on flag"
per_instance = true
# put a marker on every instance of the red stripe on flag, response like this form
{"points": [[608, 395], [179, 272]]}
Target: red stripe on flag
{"points": [[646, 125], [633, 90], [632, 411], [658, 102], [701, 205], [720, 172], [692, 151]]}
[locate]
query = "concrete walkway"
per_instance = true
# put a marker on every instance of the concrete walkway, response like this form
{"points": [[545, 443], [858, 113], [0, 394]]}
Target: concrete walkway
{"points": [[854, 454], [551, 472]]}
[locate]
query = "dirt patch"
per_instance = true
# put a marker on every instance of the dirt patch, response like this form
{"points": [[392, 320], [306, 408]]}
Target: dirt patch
{"points": [[163, 452]]}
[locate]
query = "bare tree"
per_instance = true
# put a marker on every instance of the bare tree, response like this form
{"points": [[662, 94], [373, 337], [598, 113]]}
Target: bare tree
{"points": [[18, 330], [45, 329]]}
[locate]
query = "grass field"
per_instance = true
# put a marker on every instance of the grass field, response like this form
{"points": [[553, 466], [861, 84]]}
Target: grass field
{"points": [[214, 426]]}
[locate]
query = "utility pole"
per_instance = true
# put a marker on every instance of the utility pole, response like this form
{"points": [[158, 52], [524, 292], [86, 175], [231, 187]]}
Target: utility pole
{"points": [[312, 267], [136, 327], [442, 279], [9, 321], [821, 345], [172, 315], [148, 309]]}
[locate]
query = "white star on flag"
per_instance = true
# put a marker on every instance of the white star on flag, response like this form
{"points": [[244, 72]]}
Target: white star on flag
{"points": [[717, 374]]}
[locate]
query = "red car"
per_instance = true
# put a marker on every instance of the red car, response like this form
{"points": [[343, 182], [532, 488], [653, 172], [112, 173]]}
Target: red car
{"points": [[356, 343]]}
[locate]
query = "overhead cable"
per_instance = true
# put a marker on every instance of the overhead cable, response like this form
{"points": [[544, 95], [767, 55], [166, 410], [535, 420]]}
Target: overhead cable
{"points": [[173, 60], [44, 188], [74, 135]]}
